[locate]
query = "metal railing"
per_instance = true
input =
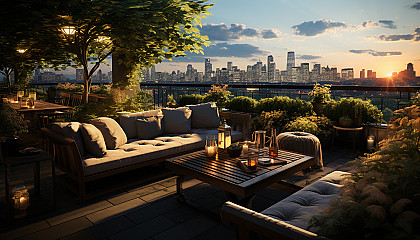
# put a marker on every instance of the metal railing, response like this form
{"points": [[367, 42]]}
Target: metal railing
{"points": [[392, 97]]}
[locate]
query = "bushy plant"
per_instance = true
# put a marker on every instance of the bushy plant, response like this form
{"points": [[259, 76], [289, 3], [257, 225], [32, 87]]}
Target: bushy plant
{"points": [[381, 200], [217, 94], [318, 126], [269, 120], [11, 122], [103, 89], [353, 108], [416, 99], [190, 99], [321, 94], [293, 107], [242, 104], [70, 87], [170, 101], [40, 94]]}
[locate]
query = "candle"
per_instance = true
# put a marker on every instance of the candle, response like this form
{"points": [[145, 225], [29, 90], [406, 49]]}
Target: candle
{"points": [[370, 143], [211, 151], [244, 148], [252, 162]]}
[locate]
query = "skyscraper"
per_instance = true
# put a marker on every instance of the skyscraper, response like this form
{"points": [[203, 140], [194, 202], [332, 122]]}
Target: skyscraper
{"points": [[79, 75], [304, 69], [208, 69], [153, 73], [271, 66], [347, 73], [362, 74], [229, 66], [290, 64]]}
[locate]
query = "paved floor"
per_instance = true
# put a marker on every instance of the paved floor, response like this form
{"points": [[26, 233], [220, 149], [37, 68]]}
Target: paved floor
{"points": [[147, 211]]}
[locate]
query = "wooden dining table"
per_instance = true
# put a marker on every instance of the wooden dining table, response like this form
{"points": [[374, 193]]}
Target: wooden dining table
{"points": [[40, 107]]}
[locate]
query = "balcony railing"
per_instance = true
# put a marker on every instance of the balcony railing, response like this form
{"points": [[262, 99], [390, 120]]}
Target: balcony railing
{"points": [[392, 97]]}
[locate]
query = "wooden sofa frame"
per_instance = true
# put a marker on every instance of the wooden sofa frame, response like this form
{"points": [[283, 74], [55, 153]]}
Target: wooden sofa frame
{"points": [[68, 159]]}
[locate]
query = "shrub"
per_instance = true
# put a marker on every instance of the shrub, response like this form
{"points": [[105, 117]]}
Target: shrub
{"points": [[268, 120], [242, 104], [353, 108], [318, 126], [321, 94], [103, 89], [381, 200], [11, 122], [190, 99], [218, 94], [293, 107], [40, 94]]}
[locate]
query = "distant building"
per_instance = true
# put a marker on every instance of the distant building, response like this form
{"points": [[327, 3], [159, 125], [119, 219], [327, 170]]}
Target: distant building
{"points": [[271, 66], [347, 73], [290, 64], [408, 74], [79, 75], [153, 73], [208, 69], [229, 66], [304, 72], [362, 74], [371, 74], [316, 73]]}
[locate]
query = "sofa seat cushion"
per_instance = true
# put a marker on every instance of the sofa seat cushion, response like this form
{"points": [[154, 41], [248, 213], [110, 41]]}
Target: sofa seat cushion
{"points": [[112, 132], [128, 121], [298, 208]]}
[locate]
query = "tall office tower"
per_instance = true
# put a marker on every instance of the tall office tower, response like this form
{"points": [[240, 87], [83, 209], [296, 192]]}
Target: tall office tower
{"points": [[146, 74], [408, 73], [99, 74], [294, 75], [189, 73], [362, 74], [258, 69], [347, 73], [218, 73], [271, 66], [277, 76], [208, 69], [290, 63], [304, 72], [224, 75], [316, 73], [79, 75], [229, 66], [153, 73], [249, 73], [334, 74], [369, 74]]}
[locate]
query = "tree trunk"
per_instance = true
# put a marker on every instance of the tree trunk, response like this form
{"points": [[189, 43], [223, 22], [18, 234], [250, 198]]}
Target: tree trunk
{"points": [[9, 82], [86, 84], [119, 70]]}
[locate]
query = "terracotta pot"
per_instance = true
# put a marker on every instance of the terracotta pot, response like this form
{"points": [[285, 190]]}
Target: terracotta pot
{"points": [[318, 108], [345, 122]]}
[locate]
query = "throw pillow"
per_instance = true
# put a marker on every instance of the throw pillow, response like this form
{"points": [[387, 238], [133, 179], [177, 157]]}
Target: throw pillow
{"points": [[93, 139], [128, 121], [205, 115], [177, 120], [149, 127], [111, 131], [70, 130]]}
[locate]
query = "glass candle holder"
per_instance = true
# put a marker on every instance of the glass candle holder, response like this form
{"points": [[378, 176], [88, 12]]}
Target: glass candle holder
{"points": [[253, 161], [211, 146], [20, 200], [20, 94]]}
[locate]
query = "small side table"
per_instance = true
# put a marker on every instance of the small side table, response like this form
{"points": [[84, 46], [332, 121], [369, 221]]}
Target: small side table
{"points": [[354, 130], [22, 160]]}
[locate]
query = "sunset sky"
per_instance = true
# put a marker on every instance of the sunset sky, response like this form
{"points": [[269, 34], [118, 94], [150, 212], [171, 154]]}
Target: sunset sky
{"points": [[382, 35]]}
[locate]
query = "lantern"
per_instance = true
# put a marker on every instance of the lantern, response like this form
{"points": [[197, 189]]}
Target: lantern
{"points": [[20, 200], [224, 136], [211, 146], [370, 142], [68, 30], [32, 98]]}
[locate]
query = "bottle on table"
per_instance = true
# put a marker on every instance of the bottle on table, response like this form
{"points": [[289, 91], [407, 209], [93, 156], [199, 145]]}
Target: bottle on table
{"points": [[273, 149]]}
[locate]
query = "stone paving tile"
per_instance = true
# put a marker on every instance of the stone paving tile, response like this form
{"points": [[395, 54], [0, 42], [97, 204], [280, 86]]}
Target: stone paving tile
{"points": [[60, 230], [125, 196], [79, 212], [145, 230], [219, 232], [25, 230], [152, 210], [168, 182], [181, 214], [199, 191], [188, 229], [102, 230], [166, 192], [115, 211]]}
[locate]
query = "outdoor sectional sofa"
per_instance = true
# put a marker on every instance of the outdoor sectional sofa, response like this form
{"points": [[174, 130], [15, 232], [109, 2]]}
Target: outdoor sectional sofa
{"points": [[289, 218], [87, 152]]}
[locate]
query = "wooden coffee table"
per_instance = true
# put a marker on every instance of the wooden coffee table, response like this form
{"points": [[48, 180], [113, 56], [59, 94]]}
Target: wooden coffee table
{"points": [[222, 172]]}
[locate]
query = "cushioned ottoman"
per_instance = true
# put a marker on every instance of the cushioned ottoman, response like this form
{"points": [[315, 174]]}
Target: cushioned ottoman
{"points": [[301, 142]]}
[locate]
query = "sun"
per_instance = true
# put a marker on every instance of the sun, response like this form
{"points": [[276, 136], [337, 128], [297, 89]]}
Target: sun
{"points": [[389, 75]]}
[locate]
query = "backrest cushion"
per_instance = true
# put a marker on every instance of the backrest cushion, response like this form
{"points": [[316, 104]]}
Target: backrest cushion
{"points": [[70, 130], [128, 121], [205, 115], [149, 127], [177, 120], [93, 139], [113, 134]]}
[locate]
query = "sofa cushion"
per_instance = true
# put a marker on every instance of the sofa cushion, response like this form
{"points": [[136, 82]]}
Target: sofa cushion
{"points": [[298, 208], [205, 115], [111, 131], [177, 120], [93, 140], [128, 121], [149, 127], [70, 130]]}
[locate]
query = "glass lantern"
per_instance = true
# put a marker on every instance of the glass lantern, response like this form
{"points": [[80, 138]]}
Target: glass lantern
{"points": [[32, 98], [224, 136], [211, 146], [370, 142], [20, 200]]}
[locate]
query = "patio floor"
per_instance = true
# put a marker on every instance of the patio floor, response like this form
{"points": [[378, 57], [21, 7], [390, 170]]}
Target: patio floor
{"points": [[146, 211]]}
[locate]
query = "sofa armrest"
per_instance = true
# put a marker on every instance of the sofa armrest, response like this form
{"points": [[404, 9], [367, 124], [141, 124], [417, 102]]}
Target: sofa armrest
{"points": [[251, 224]]}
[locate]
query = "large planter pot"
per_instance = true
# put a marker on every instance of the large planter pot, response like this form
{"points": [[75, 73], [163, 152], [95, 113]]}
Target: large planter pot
{"points": [[345, 122], [318, 108], [10, 146], [357, 121]]}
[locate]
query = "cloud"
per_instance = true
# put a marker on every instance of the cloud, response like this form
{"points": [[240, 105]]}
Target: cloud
{"points": [[416, 6], [223, 32], [376, 53], [312, 28], [401, 37], [370, 23], [308, 57], [387, 24]]}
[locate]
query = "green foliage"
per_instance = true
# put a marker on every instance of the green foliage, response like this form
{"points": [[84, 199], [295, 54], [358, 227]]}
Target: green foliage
{"points": [[102, 90], [353, 108], [318, 126], [190, 99], [321, 94], [269, 120], [416, 99], [217, 94], [381, 200], [242, 104], [40, 94], [293, 107], [70, 87], [387, 113], [170, 100], [11, 122]]}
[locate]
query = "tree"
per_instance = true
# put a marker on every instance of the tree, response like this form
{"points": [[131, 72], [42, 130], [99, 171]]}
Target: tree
{"points": [[140, 32]]}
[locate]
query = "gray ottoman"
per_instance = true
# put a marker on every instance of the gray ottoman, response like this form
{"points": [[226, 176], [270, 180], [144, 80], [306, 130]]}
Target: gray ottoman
{"points": [[302, 142]]}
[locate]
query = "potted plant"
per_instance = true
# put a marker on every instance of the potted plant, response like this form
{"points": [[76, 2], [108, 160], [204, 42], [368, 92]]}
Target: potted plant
{"points": [[11, 125], [345, 121], [320, 96]]}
